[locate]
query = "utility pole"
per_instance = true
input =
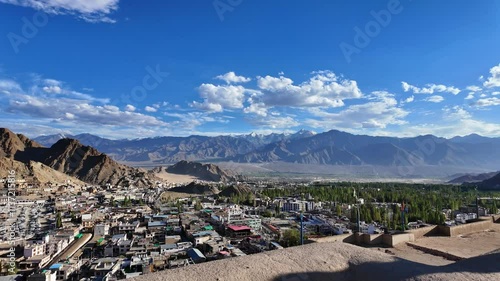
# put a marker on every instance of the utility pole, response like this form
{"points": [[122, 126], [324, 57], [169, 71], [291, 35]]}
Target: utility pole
{"points": [[301, 228], [357, 205]]}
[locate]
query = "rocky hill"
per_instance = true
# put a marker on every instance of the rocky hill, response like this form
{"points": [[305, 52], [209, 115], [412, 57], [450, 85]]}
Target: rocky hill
{"points": [[35, 172], [11, 143], [196, 189], [70, 157], [330, 261], [207, 172], [492, 183], [235, 190], [469, 178]]}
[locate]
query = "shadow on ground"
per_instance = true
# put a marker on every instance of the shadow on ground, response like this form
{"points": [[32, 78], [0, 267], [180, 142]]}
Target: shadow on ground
{"points": [[485, 267]]}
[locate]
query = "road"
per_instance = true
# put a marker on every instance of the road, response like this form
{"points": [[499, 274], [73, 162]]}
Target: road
{"points": [[72, 249]]}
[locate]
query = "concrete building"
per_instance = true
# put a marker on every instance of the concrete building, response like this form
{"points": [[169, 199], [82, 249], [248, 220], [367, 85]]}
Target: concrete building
{"points": [[101, 229]]}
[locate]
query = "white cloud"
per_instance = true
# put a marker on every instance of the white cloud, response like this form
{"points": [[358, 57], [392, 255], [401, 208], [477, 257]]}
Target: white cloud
{"points": [[429, 89], [379, 113], [456, 113], [218, 98], [473, 88], [9, 85], [409, 99], [90, 11], [495, 93], [258, 108], [324, 89], [231, 77], [150, 109], [435, 99], [494, 79], [470, 96], [80, 111], [493, 101], [275, 122], [52, 89], [456, 121], [130, 107]]}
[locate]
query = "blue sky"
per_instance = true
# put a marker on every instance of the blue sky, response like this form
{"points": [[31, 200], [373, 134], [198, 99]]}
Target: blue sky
{"points": [[127, 69]]}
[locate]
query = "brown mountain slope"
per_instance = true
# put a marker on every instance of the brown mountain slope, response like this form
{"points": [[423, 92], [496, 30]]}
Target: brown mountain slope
{"points": [[11, 143], [68, 157], [89, 165], [36, 172], [208, 172], [235, 190]]}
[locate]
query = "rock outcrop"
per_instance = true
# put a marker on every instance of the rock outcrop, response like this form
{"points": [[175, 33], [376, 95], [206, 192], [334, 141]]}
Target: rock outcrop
{"points": [[207, 172]]}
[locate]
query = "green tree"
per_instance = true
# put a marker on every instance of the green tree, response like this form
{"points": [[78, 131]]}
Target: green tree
{"points": [[197, 206], [290, 238], [338, 210], [58, 220]]}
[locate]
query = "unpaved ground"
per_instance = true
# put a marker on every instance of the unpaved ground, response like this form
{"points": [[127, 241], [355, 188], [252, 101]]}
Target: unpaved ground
{"points": [[329, 261], [408, 253], [175, 178], [175, 195], [466, 246]]}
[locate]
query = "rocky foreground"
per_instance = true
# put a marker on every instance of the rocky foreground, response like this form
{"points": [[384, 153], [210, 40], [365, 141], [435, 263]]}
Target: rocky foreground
{"points": [[330, 261]]}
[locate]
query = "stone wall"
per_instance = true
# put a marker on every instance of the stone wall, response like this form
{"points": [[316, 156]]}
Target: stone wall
{"points": [[496, 218], [372, 239], [393, 240], [424, 231], [347, 238]]}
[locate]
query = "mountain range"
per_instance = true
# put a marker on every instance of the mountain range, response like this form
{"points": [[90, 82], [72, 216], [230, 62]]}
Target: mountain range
{"points": [[304, 147]]}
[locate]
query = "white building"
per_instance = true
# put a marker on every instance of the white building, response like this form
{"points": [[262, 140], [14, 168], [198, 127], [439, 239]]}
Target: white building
{"points": [[101, 229]]}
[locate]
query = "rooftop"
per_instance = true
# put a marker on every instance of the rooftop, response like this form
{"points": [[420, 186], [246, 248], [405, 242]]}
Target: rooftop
{"points": [[239, 228]]}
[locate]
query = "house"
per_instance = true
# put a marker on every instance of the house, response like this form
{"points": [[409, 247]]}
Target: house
{"points": [[105, 267], [196, 255], [235, 231], [87, 221], [101, 230]]}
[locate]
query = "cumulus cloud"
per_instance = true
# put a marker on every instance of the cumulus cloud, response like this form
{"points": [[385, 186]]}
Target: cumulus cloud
{"points": [[324, 89], [494, 79], [456, 113], [470, 96], [435, 99], [409, 99], [91, 11], [429, 89], [217, 98], [231, 77], [130, 107], [485, 102], [473, 88], [378, 113], [150, 109]]}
